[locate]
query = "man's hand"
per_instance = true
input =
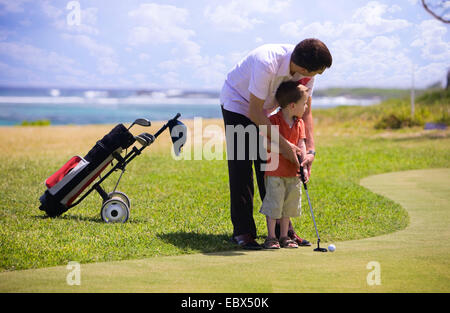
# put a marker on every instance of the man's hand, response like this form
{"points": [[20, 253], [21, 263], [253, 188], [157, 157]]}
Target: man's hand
{"points": [[304, 175], [307, 161]]}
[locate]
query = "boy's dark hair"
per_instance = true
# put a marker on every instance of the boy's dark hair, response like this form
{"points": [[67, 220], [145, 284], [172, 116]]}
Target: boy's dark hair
{"points": [[287, 93], [312, 54]]}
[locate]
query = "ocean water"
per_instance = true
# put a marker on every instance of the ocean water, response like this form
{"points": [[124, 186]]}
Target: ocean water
{"points": [[103, 106]]}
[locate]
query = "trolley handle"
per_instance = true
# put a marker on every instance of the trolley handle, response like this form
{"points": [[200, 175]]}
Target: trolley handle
{"points": [[167, 125]]}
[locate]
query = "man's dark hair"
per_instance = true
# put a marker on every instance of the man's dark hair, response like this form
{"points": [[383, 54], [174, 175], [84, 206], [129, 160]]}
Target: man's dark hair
{"points": [[312, 54], [287, 93]]}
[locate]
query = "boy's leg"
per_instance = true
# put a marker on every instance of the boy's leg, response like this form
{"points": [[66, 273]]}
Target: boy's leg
{"points": [[271, 227], [285, 240], [293, 205], [284, 226]]}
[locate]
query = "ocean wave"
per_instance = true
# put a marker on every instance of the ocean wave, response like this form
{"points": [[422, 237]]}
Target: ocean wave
{"points": [[161, 100], [108, 101]]}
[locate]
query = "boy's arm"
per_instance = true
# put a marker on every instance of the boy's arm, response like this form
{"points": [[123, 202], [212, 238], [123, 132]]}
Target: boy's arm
{"points": [[257, 116]]}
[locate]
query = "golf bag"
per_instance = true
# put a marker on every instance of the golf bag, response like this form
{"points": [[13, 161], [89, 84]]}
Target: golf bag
{"points": [[66, 184]]}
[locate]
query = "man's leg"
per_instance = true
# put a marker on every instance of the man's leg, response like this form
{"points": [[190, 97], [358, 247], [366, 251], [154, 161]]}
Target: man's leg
{"points": [[241, 196], [240, 174]]}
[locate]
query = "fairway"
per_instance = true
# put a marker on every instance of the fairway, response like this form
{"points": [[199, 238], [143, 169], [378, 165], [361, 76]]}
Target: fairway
{"points": [[416, 259]]}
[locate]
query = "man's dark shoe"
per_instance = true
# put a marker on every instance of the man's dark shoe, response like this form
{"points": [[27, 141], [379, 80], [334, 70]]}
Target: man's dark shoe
{"points": [[246, 242], [300, 241]]}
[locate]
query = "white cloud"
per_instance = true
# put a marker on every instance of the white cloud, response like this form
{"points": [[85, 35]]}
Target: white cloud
{"points": [[159, 24], [366, 48], [8, 6], [39, 59], [144, 57], [430, 39], [378, 62], [366, 21], [235, 16], [166, 24], [371, 17], [106, 58], [430, 73]]}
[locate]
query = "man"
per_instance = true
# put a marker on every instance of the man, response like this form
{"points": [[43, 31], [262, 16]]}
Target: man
{"points": [[247, 98]]}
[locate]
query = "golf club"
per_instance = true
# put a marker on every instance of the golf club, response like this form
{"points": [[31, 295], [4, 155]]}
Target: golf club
{"points": [[142, 122], [302, 177]]}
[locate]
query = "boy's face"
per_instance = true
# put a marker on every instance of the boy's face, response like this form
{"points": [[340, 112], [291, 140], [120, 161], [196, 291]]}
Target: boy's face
{"points": [[301, 105], [303, 71]]}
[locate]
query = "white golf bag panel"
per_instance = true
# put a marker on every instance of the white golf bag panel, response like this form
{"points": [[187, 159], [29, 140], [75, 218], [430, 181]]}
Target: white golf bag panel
{"points": [[81, 164], [78, 189]]}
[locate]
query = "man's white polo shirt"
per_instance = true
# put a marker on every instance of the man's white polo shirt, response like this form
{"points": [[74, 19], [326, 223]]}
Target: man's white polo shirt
{"points": [[259, 73]]}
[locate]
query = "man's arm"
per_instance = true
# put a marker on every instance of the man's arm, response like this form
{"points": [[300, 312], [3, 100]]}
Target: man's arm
{"points": [[256, 114], [309, 130]]}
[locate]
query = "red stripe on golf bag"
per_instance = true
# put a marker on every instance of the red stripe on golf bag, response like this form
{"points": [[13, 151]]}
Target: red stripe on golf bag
{"points": [[59, 174], [86, 185]]}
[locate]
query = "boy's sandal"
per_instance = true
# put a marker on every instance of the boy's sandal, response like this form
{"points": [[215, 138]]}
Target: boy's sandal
{"points": [[287, 242], [271, 243]]}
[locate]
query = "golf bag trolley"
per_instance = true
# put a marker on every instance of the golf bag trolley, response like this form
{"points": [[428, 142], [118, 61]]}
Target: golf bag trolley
{"points": [[69, 182]]}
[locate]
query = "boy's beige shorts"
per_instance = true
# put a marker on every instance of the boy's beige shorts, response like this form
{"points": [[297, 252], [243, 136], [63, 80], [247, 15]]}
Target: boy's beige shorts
{"points": [[283, 197]]}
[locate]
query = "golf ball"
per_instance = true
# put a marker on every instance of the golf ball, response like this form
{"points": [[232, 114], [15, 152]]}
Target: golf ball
{"points": [[331, 248]]}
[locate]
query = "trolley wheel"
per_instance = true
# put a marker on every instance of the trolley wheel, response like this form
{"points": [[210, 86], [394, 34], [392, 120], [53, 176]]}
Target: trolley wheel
{"points": [[115, 211], [120, 195]]}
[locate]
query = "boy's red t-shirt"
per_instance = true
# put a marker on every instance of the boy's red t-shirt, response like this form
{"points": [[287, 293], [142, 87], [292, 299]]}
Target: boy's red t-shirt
{"points": [[285, 167]]}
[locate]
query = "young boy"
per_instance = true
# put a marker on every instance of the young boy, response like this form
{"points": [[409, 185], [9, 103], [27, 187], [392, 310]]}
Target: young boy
{"points": [[283, 186]]}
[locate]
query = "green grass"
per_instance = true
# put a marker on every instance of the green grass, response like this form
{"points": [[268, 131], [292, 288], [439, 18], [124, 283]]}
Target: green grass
{"points": [[182, 207], [393, 113], [408, 260], [364, 92]]}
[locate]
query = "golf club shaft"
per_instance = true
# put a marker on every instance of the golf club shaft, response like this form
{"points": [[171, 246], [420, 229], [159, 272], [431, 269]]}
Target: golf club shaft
{"points": [[312, 213], [303, 179]]}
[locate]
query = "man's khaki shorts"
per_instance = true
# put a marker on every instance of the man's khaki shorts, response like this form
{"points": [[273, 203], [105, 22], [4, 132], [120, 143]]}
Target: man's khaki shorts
{"points": [[283, 197]]}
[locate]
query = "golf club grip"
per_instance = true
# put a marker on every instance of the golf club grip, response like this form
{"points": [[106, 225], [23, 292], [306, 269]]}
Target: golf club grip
{"points": [[166, 125], [302, 174]]}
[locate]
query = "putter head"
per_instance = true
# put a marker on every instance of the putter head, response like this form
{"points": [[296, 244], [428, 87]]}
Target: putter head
{"points": [[178, 133], [319, 249]]}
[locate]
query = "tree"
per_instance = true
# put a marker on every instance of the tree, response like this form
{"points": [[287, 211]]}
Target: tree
{"points": [[440, 9]]}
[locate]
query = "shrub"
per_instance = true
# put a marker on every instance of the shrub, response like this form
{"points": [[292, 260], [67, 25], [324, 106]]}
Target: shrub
{"points": [[36, 123]]}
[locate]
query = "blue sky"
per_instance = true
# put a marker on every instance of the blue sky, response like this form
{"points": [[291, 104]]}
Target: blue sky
{"points": [[193, 44]]}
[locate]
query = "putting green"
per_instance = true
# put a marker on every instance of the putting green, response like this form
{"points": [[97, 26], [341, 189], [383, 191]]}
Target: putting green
{"points": [[416, 259]]}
